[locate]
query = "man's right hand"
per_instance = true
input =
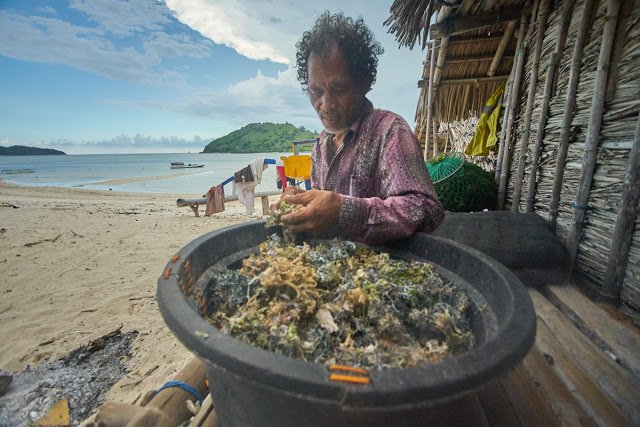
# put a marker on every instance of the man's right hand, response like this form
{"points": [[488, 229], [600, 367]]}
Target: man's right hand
{"points": [[289, 191]]}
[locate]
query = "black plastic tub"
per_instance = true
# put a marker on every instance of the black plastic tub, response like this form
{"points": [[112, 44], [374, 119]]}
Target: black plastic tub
{"points": [[250, 386]]}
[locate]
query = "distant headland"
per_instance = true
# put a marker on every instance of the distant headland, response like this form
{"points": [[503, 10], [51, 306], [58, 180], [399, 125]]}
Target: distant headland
{"points": [[22, 150], [260, 138]]}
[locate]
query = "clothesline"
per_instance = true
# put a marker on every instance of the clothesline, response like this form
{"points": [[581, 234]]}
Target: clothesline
{"points": [[266, 162]]}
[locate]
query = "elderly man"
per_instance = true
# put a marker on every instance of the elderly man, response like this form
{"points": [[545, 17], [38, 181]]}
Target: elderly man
{"points": [[369, 182]]}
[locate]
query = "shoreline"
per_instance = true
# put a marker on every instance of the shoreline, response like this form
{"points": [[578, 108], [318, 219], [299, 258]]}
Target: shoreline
{"points": [[79, 263]]}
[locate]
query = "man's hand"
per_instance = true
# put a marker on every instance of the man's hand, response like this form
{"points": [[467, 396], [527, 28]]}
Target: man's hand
{"points": [[319, 212], [289, 191]]}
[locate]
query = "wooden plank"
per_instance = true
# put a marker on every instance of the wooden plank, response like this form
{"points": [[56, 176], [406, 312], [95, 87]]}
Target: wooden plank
{"points": [[527, 400], [611, 378], [623, 340], [496, 405], [595, 402], [454, 25], [564, 404]]}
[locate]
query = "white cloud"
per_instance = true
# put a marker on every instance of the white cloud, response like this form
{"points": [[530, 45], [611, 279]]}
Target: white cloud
{"points": [[276, 26], [54, 41], [256, 29]]}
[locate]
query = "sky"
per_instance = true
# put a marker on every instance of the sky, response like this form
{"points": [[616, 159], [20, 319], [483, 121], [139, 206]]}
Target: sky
{"points": [[133, 76]]}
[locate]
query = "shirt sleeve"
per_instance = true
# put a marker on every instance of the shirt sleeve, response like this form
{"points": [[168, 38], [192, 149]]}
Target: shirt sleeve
{"points": [[407, 201]]}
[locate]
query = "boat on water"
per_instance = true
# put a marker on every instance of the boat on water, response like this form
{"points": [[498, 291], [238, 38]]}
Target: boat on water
{"points": [[183, 165]]}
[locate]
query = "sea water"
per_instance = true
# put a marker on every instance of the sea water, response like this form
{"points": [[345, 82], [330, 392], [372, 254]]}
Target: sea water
{"points": [[148, 173]]}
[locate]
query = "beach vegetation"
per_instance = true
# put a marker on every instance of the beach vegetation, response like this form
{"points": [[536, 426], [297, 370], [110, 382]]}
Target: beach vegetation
{"points": [[260, 138]]}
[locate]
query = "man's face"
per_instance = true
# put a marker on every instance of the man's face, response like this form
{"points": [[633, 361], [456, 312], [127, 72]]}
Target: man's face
{"points": [[334, 95]]}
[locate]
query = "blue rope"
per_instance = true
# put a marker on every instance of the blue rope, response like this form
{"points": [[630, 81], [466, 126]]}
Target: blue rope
{"points": [[186, 387]]}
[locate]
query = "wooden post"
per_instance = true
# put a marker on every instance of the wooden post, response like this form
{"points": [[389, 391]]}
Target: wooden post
{"points": [[569, 109], [265, 205], [508, 33], [508, 93], [168, 405], [432, 66], [442, 55], [625, 223], [593, 131], [513, 107], [526, 125], [548, 87]]}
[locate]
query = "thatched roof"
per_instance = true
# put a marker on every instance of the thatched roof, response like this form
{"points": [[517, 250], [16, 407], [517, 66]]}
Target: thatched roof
{"points": [[468, 40]]}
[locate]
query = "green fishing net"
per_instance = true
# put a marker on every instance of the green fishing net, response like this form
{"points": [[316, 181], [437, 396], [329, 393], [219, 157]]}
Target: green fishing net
{"points": [[461, 185]]}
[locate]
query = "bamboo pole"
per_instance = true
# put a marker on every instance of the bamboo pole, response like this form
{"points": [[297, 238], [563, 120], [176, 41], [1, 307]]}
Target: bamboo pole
{"points": [[625, 223], [505, 120], [593, 131], [548, 87], [508, 33], [513, 107], [442, 55], [432, 66], [435, 137], [526, 126], [569, 109]]}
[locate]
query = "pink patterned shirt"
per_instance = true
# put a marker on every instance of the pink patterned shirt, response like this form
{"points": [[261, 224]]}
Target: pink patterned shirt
{"points": [[386, 190]]}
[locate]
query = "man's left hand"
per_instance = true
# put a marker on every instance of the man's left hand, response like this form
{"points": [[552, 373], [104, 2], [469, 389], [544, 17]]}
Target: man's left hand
{"points": [[319, 212]]}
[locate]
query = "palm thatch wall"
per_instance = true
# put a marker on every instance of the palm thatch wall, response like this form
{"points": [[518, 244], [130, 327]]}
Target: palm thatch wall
{"points": [[595, 242]]}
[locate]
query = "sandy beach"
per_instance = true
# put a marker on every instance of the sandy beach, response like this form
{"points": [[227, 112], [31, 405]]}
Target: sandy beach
{"points": [[77, 264]]}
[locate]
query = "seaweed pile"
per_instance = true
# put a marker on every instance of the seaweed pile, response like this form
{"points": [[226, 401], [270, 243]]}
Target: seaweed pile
{"points": [[337, 302]]}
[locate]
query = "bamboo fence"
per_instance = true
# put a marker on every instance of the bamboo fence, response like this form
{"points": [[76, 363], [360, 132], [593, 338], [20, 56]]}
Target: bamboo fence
{"points": [[455, 103]]}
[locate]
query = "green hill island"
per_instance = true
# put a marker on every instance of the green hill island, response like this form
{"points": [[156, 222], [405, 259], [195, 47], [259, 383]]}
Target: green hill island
{"points": [[260, 138], [22, 150]]}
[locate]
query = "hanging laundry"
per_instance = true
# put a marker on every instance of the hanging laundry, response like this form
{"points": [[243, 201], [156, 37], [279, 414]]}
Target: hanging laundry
{"points": [[245, 189], [243, 175], [486, 135], [215, 200]]}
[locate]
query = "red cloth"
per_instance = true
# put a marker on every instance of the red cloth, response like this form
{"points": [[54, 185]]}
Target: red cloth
{"points": [[283, 177], [215, 200]]}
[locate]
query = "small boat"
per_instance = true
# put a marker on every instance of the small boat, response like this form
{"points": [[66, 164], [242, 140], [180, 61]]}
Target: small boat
{"points": [[183, 165]]}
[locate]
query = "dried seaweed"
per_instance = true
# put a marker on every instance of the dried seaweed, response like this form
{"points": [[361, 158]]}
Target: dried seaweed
{"points": [[276, 219], [337, 302]]}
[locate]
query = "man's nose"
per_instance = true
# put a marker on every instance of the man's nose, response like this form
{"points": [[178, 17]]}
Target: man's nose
{"points": [[328, 101]]}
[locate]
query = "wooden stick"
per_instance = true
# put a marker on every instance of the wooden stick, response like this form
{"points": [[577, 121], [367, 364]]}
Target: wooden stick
{"points": [[593, 131], [442, 55], [466, 81], [625, 223], [432, 65], [548, 87], [508, 33], [505, 119], [526, 126], [569, 109], [513, 107]]}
